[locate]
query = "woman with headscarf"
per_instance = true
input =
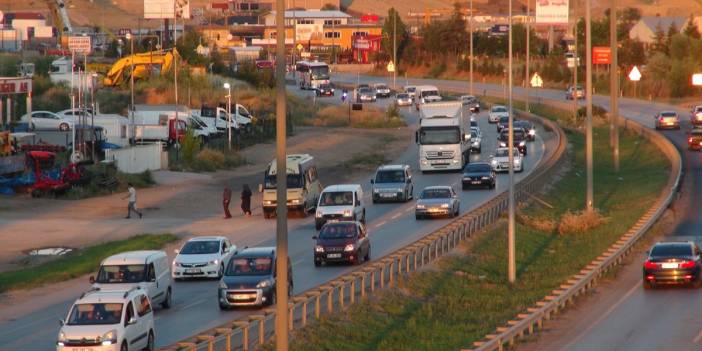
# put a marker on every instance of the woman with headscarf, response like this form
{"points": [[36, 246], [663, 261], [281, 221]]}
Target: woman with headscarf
{"points": [[246, 200]]}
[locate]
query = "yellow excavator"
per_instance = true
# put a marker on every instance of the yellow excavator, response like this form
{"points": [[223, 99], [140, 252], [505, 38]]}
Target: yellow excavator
{"points": [[144, 64]]}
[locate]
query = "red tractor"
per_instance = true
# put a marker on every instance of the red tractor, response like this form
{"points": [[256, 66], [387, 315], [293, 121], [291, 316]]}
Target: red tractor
{"points": [[49, 179]]}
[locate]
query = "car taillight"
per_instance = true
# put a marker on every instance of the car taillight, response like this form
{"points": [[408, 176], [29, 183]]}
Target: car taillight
{"points": [[687, 264], [651, 265], [660, 119], [689, 140]]}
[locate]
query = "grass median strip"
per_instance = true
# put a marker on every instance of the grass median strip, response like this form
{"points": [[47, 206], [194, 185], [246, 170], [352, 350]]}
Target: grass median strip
{"points": [[465, 296], [78, 262]]}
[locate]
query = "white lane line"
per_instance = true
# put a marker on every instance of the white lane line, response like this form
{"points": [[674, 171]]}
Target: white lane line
{"points": [[193, 304], [604, 315], [698, 337], [409, 209], [380, 224], [396, 216]]}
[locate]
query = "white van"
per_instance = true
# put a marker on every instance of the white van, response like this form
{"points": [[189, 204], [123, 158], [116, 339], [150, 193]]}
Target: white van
{"points": [[426, 94], [302, 183], [147, 269], [340, 202]]}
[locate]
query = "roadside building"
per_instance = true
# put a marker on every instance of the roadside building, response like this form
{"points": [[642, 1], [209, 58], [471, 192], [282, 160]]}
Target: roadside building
{"points": [[645, 29]]}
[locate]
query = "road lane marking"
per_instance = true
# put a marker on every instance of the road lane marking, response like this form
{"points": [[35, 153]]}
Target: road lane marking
{"points": [[698, 337], [380, 224], [409, 209], [396, 216], [23, 326], [193, 304]]}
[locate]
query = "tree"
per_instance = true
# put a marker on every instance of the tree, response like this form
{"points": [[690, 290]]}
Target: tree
{"points": [[659, 40], [691, 29], [672, 30], [392, 26], [329, 7]]}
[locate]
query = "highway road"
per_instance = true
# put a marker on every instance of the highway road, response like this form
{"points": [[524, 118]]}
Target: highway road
{"points": [[195, 309], [621, 315]]}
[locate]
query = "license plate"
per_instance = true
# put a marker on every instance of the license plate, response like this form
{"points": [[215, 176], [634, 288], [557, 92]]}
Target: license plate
{"points": [[244, 297], [668, 265], [193, 270], [387, 195], [476, 182], [670, 123], [334, 255]]}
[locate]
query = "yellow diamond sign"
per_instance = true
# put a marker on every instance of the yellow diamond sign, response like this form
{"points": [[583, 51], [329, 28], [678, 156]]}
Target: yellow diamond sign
{"points": [[300, 47], [536, 81], [391, 66]]}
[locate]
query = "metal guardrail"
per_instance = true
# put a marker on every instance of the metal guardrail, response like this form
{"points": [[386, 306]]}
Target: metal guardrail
{"points": [[254, 330], [580, 283]]}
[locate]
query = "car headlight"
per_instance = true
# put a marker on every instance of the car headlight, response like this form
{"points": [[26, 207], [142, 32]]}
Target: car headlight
{"points": [[61, 338], [295, 201], [263, 284], [425, 162], [348, 248], [376, 191], [109, 338], [493, 162], [347, 213], [223, 285], [485, 178], [213, 263], [522, 143], [399, 190], [503, 144], [267, 202], [318, 248], [421, 207], [517, 161], [532, 132], [444, 205], [176, 263], [318, 214]]}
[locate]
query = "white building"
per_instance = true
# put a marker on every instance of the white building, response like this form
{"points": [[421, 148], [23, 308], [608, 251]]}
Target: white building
{"points": [[645, 29], [23, 21]]}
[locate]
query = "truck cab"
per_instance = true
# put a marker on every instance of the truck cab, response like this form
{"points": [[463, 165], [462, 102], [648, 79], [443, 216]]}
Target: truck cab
{"points": [[443, 137]]}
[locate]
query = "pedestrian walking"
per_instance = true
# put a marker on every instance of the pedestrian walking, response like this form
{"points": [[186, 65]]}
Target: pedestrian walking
{"points": [[132, 201], [226, 199], [246, 200]]}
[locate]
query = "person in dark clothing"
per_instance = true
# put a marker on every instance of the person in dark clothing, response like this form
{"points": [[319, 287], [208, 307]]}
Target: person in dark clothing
{"points": [[246, 200], [226, 199]]}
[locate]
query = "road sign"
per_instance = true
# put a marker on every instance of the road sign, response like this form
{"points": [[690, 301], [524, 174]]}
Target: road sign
{"points": [[123, 31], [300, 47], [15, 85], [635, 75], [697, 79], [391, 66], [552, 12], [306, 54], [601, 55], [79, 45], [536, 81]]}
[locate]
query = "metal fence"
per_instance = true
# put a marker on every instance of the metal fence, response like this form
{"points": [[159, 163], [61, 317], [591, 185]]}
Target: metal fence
{"points": [[255, 330]]}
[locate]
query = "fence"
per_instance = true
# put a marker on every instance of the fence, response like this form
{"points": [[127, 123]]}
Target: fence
{"points": [[253, 330], [137, 159]]}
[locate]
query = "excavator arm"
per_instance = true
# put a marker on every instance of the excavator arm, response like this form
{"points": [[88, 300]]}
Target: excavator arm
{"points": [[119, 72]]}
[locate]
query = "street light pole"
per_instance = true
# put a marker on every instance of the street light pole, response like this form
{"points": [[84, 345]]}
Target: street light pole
{"points": [[512, 266], [131, 82], [614, 85], [576, 60], [526, 80], [394, 49], [229, 114], [470, 34], [588, 96], [281, 286]]}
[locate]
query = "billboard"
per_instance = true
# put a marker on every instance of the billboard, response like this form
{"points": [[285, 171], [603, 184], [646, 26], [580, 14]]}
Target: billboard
{"points": [[601, 55], [163, 9], [552, 12], [308, 31], [79, 45]]}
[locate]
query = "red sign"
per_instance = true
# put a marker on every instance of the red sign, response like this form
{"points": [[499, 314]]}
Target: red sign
{"points": [[15, 85], [601, 55], [370, 18]]}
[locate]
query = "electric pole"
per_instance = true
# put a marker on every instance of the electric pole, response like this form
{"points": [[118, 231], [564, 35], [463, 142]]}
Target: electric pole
{"points": [[526, 80], [394, 48], [588, 97], [614, 85], [512, 267], [470, 31]]}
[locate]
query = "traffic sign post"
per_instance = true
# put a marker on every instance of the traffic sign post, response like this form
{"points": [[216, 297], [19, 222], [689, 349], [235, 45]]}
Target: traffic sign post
{"points": [[635, 76], [536, 81], [79, 45], [391, 67], [601, 55]]}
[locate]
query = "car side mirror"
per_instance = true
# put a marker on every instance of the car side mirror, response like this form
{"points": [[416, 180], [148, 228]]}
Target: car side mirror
{"points": [[372, 181], [260, 188], [314, 237], [131, 321], [176, 251], [416, 137], [61, 322], [91, 280]]}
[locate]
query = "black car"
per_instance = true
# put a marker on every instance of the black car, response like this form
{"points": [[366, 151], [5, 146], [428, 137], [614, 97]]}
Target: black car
{"points": [[528, 127], [502, 123], [342, 242], [325, 90], [520, 139], [249, 279], [479, 174], [672, 263]]}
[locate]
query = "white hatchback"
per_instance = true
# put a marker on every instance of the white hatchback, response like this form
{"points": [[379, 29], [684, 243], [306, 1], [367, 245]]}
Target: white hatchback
{"points": [[497, 112], [48, 120], [202, 257]]}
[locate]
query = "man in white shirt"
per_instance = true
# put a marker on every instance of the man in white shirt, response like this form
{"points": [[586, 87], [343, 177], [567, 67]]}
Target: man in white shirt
{"points": [[132, 201]]}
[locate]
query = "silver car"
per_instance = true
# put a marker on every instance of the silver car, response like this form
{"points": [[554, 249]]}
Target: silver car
{"points": [[403, 99], [437, 201], [476, 139], [366, 95], [392, 183], [382, 90]]}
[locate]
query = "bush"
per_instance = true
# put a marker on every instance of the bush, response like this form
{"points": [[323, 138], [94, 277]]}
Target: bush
{"points": [[580, 222], [105, 179], [369, 117], [190, 147], [437, 70], [210, 160], [543, 224]]}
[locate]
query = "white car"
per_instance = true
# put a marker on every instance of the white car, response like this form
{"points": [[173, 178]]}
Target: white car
{"points": [[496, 112], [340, 202], [108, 321], [202, 257], [48, 120], [382, 90], [476, 139], [500, 161]]}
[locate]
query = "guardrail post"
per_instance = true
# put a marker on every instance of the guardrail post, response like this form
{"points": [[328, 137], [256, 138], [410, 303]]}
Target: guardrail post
{"points": [[390, 272], [352, 293], [330, 300], [407, 262], [228, 341], [436, 248], [291, 315], [261, 327], [382, 276], [304, 300], [188, 345], [372, 282], [209, 339], [363, 285], [244, 325]]}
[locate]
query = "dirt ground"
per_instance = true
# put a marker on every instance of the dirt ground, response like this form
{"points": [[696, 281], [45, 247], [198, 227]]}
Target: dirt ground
{"points": [[181, 203]]}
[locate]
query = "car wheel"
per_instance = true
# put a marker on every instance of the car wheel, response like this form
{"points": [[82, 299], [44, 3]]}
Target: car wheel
{"points": [[271, 301], [150, 342], [223, 307], [480, 149], [317, 263], [417, 217], [123, 347], [648, 285], [464, 187], [366, 258], [697, 283], [64, 127], [363, 219], [166, 304], [220, 273]]}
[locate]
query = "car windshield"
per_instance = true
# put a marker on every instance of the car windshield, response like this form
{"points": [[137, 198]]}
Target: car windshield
{"points": [[325, 86], [345, 230], [473, 123], [381, 86], [321, 72], [473, 134], [336, 198], [439, 193], [410, 89], [523, 124], [200, 247], [671, 250], [95, 313], [365, 91], [669, 114], [396, 176], [436, 136], [249, 266], [402, 96], [477, 168], [426, 93], [499, 109], [115, 274], [504, 153], [294, 181], [696, 132]]}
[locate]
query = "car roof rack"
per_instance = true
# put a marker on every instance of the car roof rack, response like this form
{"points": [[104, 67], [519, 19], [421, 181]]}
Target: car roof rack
{"points": [[92, 290], [126, 293]]}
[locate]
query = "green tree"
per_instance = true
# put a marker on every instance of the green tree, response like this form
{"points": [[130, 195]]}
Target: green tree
{"points": [[691, 29], [672, 30], [187, 45], [658, 68], [392, 26], [659, 40], [329, 7]]}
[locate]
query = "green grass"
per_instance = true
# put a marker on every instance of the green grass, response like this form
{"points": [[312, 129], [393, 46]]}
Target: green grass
{"points": [[468, 296], [78, 262]]}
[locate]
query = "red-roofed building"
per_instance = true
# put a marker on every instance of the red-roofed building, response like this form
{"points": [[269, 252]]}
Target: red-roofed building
{"points": [[25, 22]]}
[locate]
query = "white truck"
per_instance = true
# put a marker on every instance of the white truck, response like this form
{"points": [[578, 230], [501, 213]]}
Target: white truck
{"points": [[426, 94], [217, 117], [443, 137], [153, 123]]}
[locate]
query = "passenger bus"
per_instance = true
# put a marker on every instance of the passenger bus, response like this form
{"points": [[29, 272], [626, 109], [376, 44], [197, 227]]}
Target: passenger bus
{"points": [[310, 75]]}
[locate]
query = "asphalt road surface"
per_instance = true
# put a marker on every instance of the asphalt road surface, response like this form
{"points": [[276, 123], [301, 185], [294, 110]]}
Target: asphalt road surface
{"points": [[390, 226]]}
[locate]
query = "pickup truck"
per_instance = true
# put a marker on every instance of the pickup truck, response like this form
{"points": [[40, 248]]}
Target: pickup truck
{"points": [[217, 117]]}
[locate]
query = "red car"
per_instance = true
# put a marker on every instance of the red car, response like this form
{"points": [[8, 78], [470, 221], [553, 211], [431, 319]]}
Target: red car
{"points": [[694, 139], [342, 242]]}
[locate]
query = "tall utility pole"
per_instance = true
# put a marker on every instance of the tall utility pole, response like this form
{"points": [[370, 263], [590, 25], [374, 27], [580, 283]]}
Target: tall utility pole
{"points": [[281, 232], [394, 49], [131, 84], [470, 35], [614, 85], [512, 266], [175, 74], [526, 79], [588, 96], [576, 60]]}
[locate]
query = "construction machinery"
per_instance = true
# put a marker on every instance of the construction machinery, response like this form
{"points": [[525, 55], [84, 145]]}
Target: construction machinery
{"points": [[62, 22], [144, 64]]}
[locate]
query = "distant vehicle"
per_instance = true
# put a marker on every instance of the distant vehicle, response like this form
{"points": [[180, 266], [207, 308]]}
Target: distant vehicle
{"points": [[342, 242], [265, 64], [392, 183], [503, 123], [476, 140], [120, 319], [325, 90], [570, 92], [437, 201], [145, 64], [443, 137], [365, 95], [171, 132], [528, 127], [250, 277], [696, 116], [340, 202], [676, 262], [519, 136], [426, 94], [479, 174], [410, 90], [146, 269], [694, 139], [500, 161], [303, 185], [496, 112], [241, 119], [403, 99], [311, 74], [48, 120], [202, 257], [382, 90], [471, 102], [667, 120]]}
